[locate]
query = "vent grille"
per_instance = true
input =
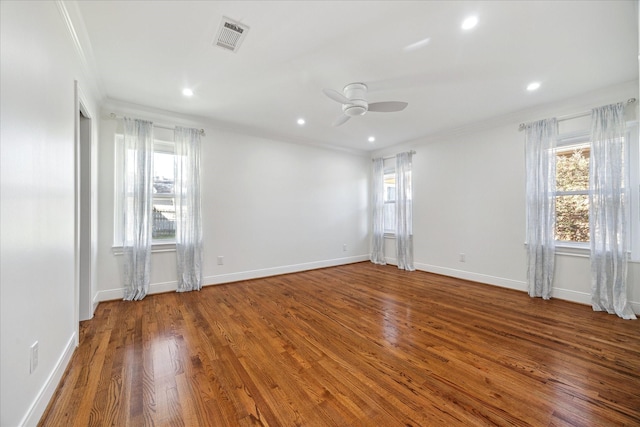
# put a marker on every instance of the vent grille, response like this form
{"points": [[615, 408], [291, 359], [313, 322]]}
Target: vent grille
{"points": [[231, 34]]}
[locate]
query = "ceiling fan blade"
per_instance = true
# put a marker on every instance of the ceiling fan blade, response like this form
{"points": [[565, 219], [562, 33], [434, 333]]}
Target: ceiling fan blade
{"points": [[387, 107], [341, 120], [336, 96]]}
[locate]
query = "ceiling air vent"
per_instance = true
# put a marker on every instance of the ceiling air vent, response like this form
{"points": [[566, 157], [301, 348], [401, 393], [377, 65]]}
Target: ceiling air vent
{"points": [[231, 34]]}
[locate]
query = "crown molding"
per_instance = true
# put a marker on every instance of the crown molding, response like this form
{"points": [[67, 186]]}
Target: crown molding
{"points": [[77, 32], [171, 118]]}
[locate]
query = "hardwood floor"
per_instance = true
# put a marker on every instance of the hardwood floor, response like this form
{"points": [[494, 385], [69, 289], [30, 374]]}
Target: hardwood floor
{"points": [[355, 345]]}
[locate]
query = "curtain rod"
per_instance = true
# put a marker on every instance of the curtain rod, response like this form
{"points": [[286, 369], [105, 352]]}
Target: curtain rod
{"points": [[113, 116], [393, 157], [571, 116]]}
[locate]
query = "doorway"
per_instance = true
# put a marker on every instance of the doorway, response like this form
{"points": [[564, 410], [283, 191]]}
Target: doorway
{"points": [[85, 297], [84, 210]]}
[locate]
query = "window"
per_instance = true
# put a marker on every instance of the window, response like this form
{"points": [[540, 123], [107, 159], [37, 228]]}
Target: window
{"points": [[572, 191], [163, 206], [390, 202]]}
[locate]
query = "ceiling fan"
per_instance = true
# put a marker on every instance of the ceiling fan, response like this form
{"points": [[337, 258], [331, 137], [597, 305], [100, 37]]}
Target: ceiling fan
{"points": [[354, 102]]}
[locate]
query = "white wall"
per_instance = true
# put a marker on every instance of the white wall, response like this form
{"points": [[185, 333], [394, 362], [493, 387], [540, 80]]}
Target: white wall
{"points": [[37, 269], [469, 198], [269, 206]]}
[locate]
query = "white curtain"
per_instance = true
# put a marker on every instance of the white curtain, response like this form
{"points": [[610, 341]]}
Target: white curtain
{"points": [[540, 159], [607, 211], [188, 212], [404, 212], [377, 242], [137, 198]]}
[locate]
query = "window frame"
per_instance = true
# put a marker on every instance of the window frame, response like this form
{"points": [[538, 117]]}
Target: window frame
{"points": [[157, 245], [565, 141], [164, 147], [389, 170], [632, 156], [632, 139]]}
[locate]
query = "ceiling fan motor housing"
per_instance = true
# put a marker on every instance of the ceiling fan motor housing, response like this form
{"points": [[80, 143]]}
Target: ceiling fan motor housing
{"points": [[356, 93]]}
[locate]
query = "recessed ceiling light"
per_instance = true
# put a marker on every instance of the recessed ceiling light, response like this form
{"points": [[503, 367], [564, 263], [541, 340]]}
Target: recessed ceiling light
{"points": [[470, 22], [371, 139], [187, 92], [301, 121], [533, 86]]}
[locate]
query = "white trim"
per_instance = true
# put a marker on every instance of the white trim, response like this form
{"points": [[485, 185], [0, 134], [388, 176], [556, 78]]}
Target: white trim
{"points": [[76, 29], [559, 293], [120, 107], [95, 301], [40, 403], [275, 271], [159, 146], [568, 139], [155, 288], [571, 295], [74, 35], [633, 165], [584, 298], [391, 261], [475, 277], [581, 250], [82, 204], [77, 163], [155, 248]]}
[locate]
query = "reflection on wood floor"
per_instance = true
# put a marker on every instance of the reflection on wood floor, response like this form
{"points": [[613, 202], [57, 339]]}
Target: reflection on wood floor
{"points": [[355, 345]]}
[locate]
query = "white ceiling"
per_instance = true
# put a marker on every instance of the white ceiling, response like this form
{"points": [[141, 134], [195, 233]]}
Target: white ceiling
{"points": [[146, 52]]}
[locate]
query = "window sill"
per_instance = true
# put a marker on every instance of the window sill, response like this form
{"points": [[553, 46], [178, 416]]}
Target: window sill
{"points": [[389, 236], [155, 248], [573, 249], [581, 250]]}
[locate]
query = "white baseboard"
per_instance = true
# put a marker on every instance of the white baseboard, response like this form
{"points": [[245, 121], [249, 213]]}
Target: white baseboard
{"points": [[274, 271], [155, 288], [39, 405], [560, 293], [474, 277], [585, 298], [570, 295]]}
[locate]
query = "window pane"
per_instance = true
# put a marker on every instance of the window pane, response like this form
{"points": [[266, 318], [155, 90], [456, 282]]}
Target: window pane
{"points": [[390, 217], [163, 178], [572, 168], [164, 219], [389, 187], [390, 202], [572, 218]]}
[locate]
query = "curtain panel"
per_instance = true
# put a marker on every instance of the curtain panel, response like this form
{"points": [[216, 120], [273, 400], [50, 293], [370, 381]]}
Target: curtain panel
{"points": [[540, 162], [404, 212], [608, 182], [188, 209], [377, 240], [137, 198]]}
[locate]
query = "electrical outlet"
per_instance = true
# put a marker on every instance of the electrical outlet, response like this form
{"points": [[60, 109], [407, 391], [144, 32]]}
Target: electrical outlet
{"points": [[220, 260], [463, 258], [33, 359], [344, 247]]}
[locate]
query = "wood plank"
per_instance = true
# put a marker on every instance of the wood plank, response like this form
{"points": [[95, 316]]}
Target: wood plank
{"points": [[355, 345]]}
